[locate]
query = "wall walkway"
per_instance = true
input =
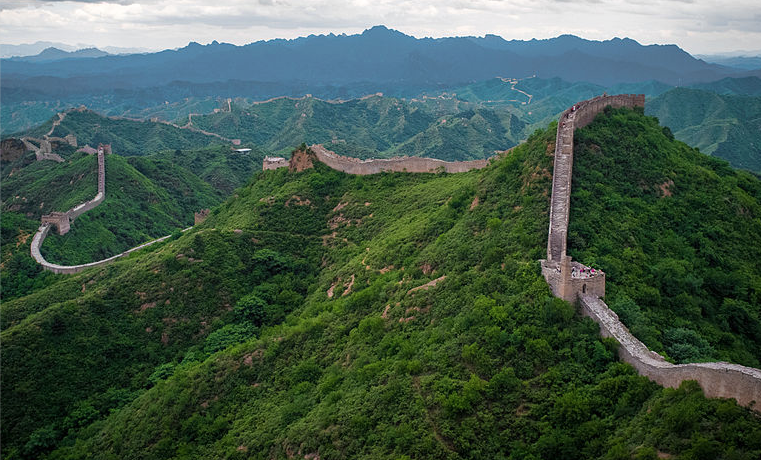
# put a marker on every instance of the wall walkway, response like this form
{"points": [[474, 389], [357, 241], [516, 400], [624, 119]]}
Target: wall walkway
{"points": [[718, 379]]}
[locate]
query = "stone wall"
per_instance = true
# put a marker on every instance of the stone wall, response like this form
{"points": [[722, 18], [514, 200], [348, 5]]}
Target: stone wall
{"points": [[100, 196], [399, 164], [576, 116], [44, 151], [42, 232], [63, 219], [719, 379]]}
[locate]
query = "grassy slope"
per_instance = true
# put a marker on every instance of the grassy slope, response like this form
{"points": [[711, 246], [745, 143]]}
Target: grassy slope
{"points": [[485, 364]]}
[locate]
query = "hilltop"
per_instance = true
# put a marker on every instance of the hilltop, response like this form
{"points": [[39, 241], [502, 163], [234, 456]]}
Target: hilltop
{"points": [[313, 313]]}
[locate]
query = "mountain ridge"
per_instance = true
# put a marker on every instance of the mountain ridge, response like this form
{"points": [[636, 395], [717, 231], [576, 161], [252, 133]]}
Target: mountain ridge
{"points": [[383, 49]]}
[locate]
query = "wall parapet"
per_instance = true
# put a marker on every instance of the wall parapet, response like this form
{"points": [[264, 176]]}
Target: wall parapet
{"points": [[717, 379]]}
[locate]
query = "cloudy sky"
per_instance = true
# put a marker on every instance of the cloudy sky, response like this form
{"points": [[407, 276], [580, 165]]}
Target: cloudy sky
{"points": [[699, 26]]}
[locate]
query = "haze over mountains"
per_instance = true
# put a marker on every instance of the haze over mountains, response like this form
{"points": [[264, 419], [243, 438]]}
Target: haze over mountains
{"points": [[381, 55], [31, 49]]}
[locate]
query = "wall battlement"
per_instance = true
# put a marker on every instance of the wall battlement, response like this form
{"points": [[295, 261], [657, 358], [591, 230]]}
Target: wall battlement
{"points": [[274, 163], [61, 220], [718, 379]]}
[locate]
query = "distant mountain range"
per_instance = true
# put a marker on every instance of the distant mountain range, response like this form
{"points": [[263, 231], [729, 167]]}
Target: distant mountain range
{"points": [[725, 126], [54, 54], [31, 49], [749, 61], [380, 55], [167, 83]]}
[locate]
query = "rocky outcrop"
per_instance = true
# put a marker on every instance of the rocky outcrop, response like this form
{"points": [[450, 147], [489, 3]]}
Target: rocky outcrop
{"points": [[12, 149]]}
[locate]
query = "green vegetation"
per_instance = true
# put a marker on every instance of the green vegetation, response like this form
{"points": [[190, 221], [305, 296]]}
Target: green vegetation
{"points": [[292, 322], [725, 126], [127, 137], [678, 234], [146, 197], [370, 127]]}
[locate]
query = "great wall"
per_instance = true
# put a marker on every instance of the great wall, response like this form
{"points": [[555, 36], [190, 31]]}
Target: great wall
{"points": [[62, 221], [568, 280], [717, 379], [378, 165]]}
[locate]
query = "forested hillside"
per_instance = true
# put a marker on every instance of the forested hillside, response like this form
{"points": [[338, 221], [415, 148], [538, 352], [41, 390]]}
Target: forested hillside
{"points": [[318, 314], [678, 234], [371, 127], [127, 137], [725, 126]]}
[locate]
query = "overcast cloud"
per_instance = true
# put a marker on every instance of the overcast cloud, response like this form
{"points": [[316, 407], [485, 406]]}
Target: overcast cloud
{"points": [[699, 26]]}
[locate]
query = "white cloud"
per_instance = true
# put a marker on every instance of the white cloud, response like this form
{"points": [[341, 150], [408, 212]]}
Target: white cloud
{"points": [[698, 26]]}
